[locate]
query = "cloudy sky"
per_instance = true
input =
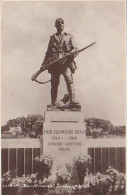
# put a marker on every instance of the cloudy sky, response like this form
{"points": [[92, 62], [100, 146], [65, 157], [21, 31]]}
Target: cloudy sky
{"points": [[99, 79]]}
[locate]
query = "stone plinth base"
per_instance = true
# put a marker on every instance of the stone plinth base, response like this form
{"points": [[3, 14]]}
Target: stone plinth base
{"points": [[63, 135]]}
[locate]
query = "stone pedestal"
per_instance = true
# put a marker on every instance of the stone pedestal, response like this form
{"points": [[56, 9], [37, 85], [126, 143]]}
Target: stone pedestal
{"points": [[63, 135]]}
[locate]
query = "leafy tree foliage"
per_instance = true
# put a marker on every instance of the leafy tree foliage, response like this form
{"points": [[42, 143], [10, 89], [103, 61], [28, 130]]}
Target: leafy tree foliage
{"points": [[31, 123], [103, 126]]}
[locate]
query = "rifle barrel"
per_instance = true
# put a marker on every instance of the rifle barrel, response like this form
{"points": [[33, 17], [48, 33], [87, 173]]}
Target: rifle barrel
{"points": [[51, 63], [43, 68], [86, 47]]}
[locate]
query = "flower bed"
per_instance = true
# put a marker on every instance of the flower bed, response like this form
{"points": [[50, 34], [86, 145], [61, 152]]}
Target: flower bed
{"points": [[45, 182]]}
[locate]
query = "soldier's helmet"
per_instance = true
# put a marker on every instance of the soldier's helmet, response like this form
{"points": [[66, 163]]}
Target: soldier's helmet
{"points": [[59, 20]]}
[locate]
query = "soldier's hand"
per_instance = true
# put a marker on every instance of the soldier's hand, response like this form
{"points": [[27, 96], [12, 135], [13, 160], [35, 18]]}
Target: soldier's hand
{"points": [[75, 52]]}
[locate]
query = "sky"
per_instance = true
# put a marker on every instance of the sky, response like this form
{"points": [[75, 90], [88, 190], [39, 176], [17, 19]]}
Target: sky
{"points": [[99, 81]]}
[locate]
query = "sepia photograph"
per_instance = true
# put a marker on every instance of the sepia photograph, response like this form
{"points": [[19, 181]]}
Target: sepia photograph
{"points": [[63, 98]]}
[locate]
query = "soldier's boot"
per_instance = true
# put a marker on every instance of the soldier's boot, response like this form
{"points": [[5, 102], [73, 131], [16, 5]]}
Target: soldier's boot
{"points": [[65, 98], [71, 91]]}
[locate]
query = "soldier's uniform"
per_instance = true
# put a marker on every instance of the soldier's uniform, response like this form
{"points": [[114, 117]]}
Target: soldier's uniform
{"points": [[60, 45]]}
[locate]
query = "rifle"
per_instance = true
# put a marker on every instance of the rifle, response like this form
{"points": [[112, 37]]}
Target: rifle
{"points": [[45, 67]]}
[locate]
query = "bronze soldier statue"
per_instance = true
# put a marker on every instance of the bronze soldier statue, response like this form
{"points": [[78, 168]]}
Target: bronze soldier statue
{"points": [[61, 44]]}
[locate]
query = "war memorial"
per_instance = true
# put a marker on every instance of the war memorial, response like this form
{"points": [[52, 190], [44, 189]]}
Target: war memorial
{"points": [[63, 160]]}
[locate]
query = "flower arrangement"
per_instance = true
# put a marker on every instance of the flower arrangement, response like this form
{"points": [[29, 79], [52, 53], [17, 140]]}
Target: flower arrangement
{"points": [[7, 177], [43, 165], [43, 180], [35, 183], [82, 163], [30, 180], [117, 180], [84, 160], [98, 184], [111, 183], [62, 177]]}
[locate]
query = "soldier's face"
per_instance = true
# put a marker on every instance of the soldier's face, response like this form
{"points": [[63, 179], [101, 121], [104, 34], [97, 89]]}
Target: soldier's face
{"points": [[59, 25]]}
